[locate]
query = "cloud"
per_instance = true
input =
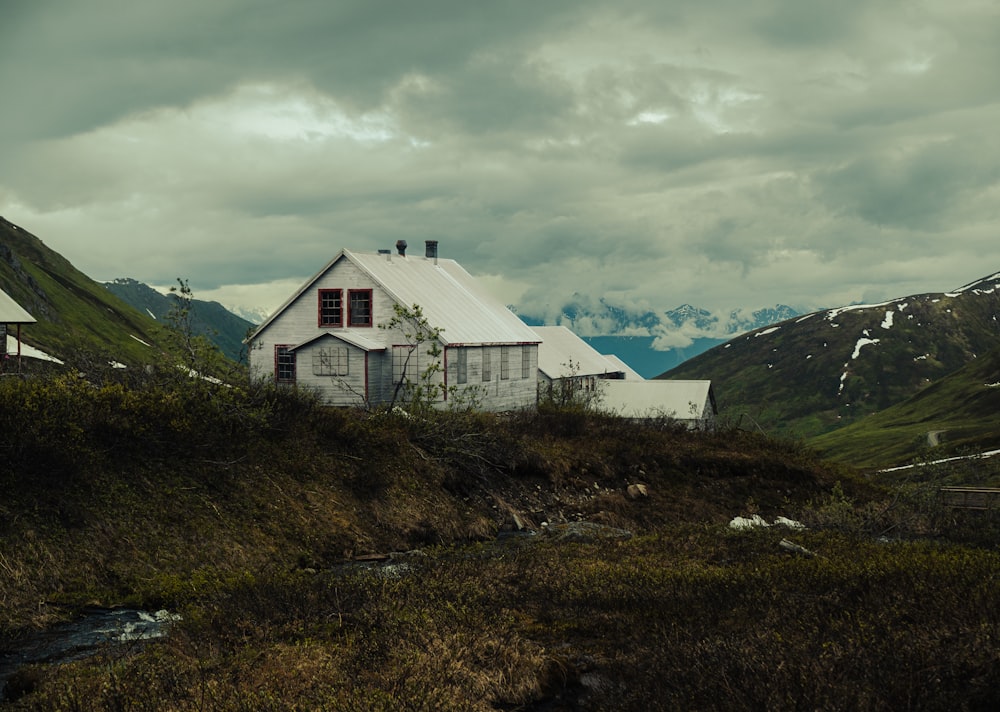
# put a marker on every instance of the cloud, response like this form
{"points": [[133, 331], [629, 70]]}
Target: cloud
{"points": [[719, 153]]}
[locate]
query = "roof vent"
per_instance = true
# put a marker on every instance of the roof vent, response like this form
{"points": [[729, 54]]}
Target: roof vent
{"points": [[387, 254], [432, 250], [401, 247]]}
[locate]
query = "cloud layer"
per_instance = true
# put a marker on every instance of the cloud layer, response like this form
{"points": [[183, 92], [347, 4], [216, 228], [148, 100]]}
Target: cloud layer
{"points": [[721, 153]]}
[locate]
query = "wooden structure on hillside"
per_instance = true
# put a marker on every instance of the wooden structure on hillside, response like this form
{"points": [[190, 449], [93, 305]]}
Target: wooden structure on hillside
{"points": [[11, 314], [979, 498]]}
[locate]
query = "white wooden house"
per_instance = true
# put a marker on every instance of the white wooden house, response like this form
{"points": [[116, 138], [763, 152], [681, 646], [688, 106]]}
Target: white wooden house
{"points": [[11, 314], [330, 334]]}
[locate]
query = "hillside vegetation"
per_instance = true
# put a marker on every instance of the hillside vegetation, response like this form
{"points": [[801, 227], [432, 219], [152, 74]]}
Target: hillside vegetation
{"points": [[954, 416], [238, 507]]}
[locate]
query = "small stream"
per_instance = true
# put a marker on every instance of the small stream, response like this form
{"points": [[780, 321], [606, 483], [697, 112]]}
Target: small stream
{"points": [[97, 628]]}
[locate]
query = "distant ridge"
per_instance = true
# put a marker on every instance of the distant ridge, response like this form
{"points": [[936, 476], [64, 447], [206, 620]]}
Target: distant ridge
{"points": [[209, 319]]}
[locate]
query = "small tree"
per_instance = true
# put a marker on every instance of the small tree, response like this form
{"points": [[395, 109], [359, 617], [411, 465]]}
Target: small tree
{"points": [[421, 393]]}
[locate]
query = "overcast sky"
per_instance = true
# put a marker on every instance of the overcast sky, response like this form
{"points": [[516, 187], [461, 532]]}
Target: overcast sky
{"points": [[725, 153]]}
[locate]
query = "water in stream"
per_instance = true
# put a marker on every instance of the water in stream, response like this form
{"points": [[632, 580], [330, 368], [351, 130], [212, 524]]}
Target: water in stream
{"points": [[98, 627]]}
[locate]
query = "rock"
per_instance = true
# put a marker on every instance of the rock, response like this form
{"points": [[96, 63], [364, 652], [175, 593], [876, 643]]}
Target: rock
{"points": [[637, 490], [793, 548]]}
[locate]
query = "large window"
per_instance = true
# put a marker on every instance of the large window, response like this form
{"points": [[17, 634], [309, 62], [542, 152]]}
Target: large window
{"points": [[330, 361], [487, 367], [359, 307], [525, 362], [405, 366], [504, 363], [462, 365], [284, 364], [331, 311]]}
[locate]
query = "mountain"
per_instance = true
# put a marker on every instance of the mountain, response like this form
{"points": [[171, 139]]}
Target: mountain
{"points": [[209, 319], [947, 418], [649, 341], [77, 318], [814, 373]]}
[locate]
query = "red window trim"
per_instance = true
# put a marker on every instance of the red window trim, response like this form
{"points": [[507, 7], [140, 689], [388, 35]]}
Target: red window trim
{"points": [[319, 308], [371, 308]]}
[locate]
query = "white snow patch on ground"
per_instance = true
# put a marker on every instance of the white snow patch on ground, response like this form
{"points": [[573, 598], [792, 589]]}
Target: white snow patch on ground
{"points": [[758, 521], [834, 313], [808, 356], [807, 316], [767, 331], [980, 456], [29, 351], [140, 340], [843, 377], [920, 358], [992, 385], [862, 342], [903, 306], [116, 364], [887, 322], [151, 313]]}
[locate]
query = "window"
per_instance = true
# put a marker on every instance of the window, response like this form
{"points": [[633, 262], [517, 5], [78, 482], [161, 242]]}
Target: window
{"points": [[404, 364], [487, 370], [330, 361], [525, 362], [331, 311], [504, 363], [284, 364], [462, 365], [359, 307]]}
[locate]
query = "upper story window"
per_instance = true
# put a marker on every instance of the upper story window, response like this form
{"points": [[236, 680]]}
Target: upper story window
{"points": [[359, 311], [331, 308]]}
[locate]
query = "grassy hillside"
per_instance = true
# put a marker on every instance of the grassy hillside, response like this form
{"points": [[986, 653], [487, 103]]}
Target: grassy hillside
{"points": [[78, 319], [238, 509], [813, 374], [956, 415]]}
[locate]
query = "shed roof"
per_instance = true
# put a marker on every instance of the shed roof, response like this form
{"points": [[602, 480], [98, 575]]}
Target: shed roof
{"points": [[11, 312], [684, 400], [451, 299], [560, 348], [352, 337]]}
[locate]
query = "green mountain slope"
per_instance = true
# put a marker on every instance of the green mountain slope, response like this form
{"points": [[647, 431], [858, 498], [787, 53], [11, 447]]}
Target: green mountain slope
{"points": [[208, 319], [958, 414], [815, 373], [77, 317]]}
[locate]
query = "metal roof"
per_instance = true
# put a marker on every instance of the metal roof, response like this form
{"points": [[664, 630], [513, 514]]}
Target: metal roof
{"points": [[11, 312], [684, 400], [450, 298], [560, 347]]}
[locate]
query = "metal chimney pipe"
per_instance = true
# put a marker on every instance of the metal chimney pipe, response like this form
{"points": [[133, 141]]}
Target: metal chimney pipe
{"points": [[401, 247], [431, 250]]}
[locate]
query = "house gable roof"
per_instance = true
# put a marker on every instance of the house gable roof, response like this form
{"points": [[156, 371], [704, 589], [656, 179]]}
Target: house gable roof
{"points": [[560, 347], [347, 336], [11, 312], [450, 298]]}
